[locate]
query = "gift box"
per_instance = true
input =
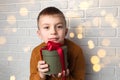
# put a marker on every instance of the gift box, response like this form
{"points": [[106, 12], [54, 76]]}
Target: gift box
{"points": [[52, 58]]}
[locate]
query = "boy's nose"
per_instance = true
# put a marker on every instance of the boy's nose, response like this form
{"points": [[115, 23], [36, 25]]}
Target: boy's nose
{"points": [[53, 31]]}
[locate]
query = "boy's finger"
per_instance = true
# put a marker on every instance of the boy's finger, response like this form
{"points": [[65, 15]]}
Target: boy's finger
{"points": [[59, 75]]}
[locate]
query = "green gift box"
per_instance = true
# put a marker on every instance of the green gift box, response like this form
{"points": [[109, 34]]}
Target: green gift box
{"points": [[53, 60]]}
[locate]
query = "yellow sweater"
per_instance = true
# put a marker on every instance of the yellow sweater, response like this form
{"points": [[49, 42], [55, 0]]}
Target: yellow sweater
{"points": [[76, 62]]}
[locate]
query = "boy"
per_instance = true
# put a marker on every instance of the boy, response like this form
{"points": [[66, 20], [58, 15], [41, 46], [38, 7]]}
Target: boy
{"points": [[52, 27]]}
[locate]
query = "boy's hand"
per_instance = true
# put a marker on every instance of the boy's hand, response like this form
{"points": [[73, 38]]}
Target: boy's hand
{"points": [[62, 74], [42, 68]]}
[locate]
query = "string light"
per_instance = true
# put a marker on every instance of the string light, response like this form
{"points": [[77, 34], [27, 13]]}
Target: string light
{"points": [[12, 77], [23, 11], [90, 44], [96, 67], [2, 40], [101, 53], [71, 35], [106, 42], [11, 19], [10, 58], [95, 60]]}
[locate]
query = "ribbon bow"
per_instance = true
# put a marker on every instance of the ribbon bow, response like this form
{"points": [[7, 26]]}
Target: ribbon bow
{"points": [[56, 46]]}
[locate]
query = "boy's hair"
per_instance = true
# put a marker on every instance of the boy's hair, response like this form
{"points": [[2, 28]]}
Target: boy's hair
{"points": [[51, 11]]}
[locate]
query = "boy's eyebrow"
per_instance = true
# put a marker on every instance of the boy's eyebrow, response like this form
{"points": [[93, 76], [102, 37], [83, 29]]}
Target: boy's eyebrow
{"points": [[45, 24]]}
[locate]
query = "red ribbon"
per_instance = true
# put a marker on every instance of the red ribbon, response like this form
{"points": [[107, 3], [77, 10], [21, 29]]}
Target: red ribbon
{"points": [[56, 46]]}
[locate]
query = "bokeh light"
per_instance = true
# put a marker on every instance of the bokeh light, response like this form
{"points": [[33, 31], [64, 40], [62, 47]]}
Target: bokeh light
{"points": [[96, 21], [79, 36], [2, 40], [23, 11], [72, 35], [101, 53], [84, 5], [95, 60], [105, 42], [103, 13], [12, 77], [72, 14], [11, 19], [14, 30], [91, 44], [27, 49], [96, 67], [10, 58], [109, 18]]}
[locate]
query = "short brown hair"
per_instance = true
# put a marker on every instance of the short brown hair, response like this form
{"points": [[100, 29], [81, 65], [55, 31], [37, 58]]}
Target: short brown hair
{"points": [[51, 11]]}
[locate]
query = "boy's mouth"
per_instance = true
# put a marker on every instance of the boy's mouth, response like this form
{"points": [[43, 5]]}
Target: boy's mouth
{"points": [[53, 39]]}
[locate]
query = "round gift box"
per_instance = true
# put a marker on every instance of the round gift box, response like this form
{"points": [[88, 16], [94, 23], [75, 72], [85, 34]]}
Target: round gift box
{"points": [[53, 60]]}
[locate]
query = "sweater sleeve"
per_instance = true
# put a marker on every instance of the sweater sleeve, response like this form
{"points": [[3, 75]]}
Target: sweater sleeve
{"points": [[77, 67], [34, 74]]}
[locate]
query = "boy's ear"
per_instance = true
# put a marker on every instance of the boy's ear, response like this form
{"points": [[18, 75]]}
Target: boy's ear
{"points": [[38, 33]]}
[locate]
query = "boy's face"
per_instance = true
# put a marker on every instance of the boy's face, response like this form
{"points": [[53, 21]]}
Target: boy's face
{"points": [[52, 28]]}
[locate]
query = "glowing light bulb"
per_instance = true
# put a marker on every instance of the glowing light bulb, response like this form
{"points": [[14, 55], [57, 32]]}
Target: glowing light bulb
{"points": [[14, 30], [96, 21], [96, 67], [103, 13], [12, 77], [84, 5], [26, 49], [90, 44], [11, 19], [101, 53], [71, 35], [10, 58], [79, 36], [95, 60], [23, 11], [106, 42], [2, 40]]}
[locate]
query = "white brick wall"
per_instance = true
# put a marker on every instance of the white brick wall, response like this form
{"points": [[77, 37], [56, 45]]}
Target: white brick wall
{"points": [[96, 20]]}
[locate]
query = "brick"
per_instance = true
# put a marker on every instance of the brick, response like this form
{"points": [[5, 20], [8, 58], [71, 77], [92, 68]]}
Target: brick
{"points": [[28, 40], [27, 24], [117, 69], [110, 42], [118, 51], [84, 41], [58, 4], [13, 1], [75, 4], [86, 23], [8, 8], [34, 15], [109, 3], [73, 13], [98, 12], [4, 24], [110, 22], [93, 77], [33, 32], [118, 32], [91, 52], [110, 61], [100, 32], [35, 6]]}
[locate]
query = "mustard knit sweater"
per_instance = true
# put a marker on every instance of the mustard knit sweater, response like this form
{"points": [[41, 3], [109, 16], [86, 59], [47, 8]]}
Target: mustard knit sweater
{"points": [[76, 62]]}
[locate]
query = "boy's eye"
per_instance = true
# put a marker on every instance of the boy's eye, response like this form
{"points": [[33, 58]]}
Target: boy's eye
{"points": [[59, 26], [46, 27]]}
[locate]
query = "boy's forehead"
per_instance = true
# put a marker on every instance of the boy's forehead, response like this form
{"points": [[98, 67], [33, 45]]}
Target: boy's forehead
{"points": [[52, 16], [59, 17]]}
